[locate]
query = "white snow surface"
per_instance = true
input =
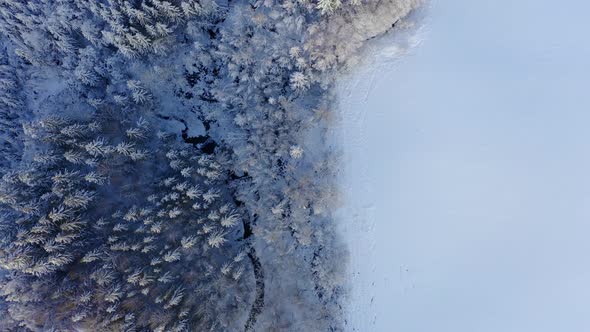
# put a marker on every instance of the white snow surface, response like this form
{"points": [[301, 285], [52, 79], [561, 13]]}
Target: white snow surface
{"points": [[465, 187], [356, 217]]}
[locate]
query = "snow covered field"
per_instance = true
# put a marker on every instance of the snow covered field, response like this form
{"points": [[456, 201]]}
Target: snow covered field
{"points": [[465, 175]]}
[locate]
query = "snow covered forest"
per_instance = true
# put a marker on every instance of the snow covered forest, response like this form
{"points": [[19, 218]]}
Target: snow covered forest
{"points": [[164, 165]]}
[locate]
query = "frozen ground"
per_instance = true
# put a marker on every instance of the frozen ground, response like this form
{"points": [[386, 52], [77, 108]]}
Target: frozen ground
{"points": [[465, 172], [357, 217]]}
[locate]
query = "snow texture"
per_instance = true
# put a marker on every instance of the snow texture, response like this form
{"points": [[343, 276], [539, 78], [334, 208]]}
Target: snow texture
{"points": [[465, 173], [356, 216]]}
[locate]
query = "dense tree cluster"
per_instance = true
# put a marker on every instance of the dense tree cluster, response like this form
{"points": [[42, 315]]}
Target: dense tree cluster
{"points": [[69, 263], [59, 28], [117, 213], [10, 111]]}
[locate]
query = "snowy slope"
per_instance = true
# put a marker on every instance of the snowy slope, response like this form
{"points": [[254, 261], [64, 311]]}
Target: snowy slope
{"points": [[356, 217], [465, 183]]}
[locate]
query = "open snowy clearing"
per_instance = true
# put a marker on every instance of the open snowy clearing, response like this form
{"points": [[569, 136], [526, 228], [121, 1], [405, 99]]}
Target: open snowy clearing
{"points": [[465, 172]]}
